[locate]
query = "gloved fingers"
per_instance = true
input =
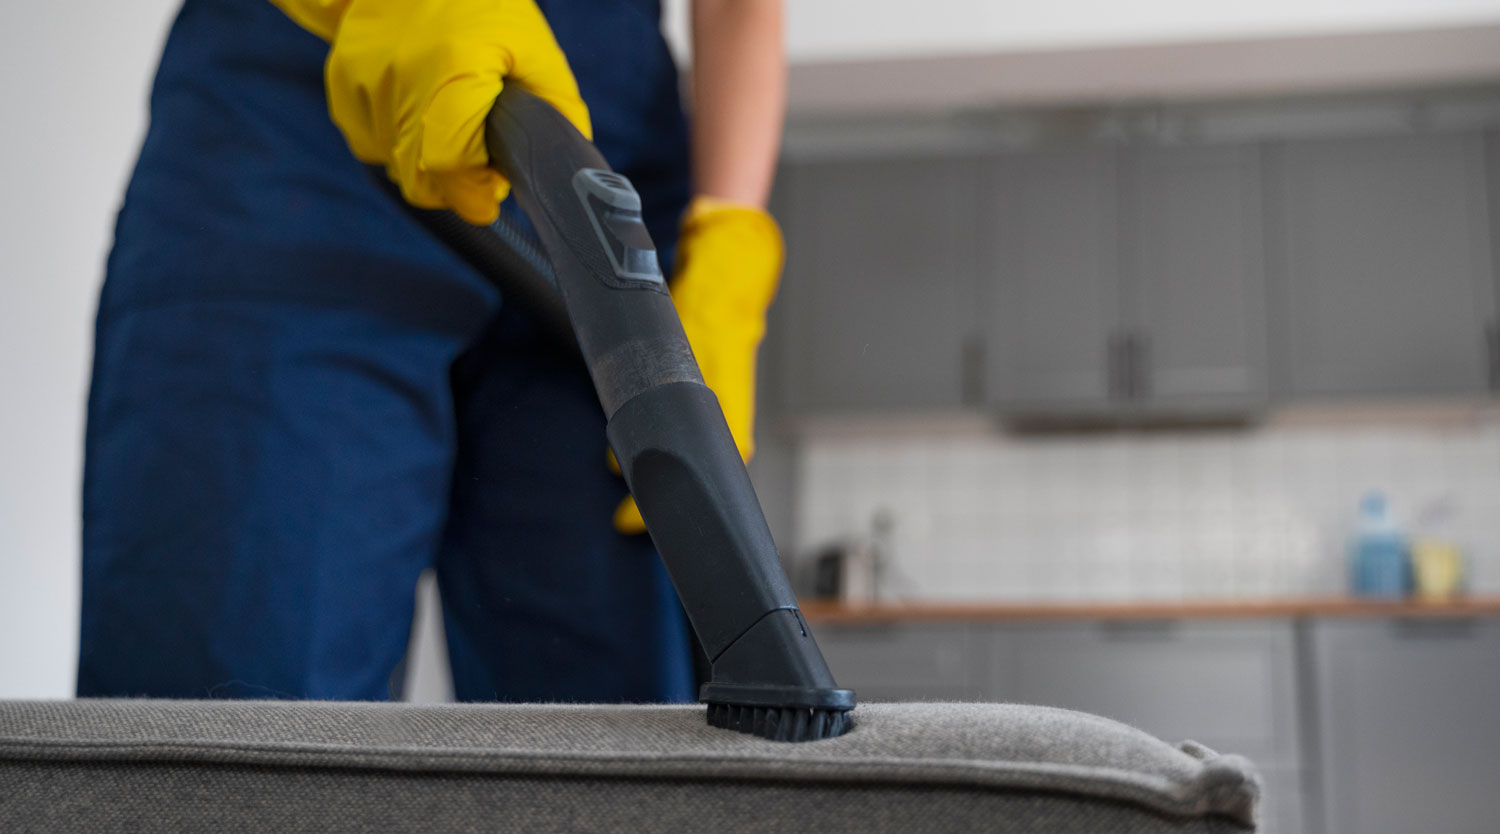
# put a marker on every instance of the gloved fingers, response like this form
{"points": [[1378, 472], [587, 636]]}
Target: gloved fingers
{"points": [[628, 518], [538, 64], [612, 462], [474, 194], [452, 126], [410, 83], [419, 189], [366, 119], [420, 192]]}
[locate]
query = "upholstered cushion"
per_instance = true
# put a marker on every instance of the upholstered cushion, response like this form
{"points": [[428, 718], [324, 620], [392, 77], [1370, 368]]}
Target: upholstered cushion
{"points": [[144, 765]]}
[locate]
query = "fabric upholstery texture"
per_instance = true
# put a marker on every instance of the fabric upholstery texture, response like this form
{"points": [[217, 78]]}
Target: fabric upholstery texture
{"points": [[118, 765]]}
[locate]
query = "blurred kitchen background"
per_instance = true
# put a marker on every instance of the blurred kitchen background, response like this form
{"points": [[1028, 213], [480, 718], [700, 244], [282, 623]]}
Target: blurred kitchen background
{"points": [[1119, 346], [1145, 362], [1140, 351]]}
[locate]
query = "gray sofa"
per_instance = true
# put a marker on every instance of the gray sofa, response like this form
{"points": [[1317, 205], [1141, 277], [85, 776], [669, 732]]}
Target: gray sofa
{"points": [[144, 765]]}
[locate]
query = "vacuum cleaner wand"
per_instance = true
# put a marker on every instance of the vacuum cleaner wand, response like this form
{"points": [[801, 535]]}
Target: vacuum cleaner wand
{"points": [[665, 425]]}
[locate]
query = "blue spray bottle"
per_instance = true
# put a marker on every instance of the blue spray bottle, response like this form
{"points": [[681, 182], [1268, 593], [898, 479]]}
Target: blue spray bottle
{"points": [[1379, 556]]}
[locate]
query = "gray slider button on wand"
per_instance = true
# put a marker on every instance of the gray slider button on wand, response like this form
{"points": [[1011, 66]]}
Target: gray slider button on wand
{"points": [[614, 209]]}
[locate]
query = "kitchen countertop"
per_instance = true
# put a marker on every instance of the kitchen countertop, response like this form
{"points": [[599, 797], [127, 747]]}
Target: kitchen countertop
{"points": [[818, 611]]}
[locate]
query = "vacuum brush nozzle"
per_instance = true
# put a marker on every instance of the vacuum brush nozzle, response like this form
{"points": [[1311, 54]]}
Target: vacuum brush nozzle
{"points": [[779, 713]]}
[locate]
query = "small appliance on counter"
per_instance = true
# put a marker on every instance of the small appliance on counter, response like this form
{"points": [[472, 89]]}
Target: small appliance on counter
{"points": [[854, 570]]}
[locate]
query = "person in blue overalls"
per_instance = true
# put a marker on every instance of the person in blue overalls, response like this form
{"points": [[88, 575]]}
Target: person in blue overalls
{"points": [[301, 400]]}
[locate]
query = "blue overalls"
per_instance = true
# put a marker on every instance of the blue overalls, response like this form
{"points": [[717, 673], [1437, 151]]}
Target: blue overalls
{"points": [[300, 400]]}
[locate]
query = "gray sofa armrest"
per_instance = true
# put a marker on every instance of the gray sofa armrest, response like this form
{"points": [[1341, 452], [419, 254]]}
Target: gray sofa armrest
{"points": [[146, 765]]}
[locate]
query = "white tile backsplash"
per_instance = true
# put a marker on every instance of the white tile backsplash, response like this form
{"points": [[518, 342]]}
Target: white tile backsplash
{"points": [[1158, 515]]}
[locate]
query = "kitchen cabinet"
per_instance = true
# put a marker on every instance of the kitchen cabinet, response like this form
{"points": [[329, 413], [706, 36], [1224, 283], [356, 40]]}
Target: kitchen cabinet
{"points": [[1196, 279], [1229, 685], [1359, 723], [1408, 725], [1492, 331], [1052, 306], [1128, 280], [877, 301], [908, 662], [1387, 283]]}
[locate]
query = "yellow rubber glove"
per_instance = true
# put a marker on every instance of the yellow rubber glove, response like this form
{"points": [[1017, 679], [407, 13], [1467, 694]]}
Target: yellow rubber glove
{"points": [[729, 259], [410, 82]]}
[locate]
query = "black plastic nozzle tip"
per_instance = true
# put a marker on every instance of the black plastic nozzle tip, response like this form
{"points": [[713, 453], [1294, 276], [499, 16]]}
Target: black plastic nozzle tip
{"points": [[780, 724], [779, 713]]}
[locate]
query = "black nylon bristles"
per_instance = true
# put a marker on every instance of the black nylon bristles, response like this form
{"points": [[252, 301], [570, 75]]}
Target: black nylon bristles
{"points": [[780, 723]]}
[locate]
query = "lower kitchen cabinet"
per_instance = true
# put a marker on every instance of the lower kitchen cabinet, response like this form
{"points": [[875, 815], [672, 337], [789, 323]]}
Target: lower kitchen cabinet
{"points": [[1283, 803], [907, 662], [1358, 726], [1408, 725], [1229, 685]]}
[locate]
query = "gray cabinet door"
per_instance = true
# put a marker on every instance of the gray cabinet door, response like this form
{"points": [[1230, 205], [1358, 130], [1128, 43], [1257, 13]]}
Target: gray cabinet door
{"points": [[1492, 330], [879, 286], [1387, 283], [1195, 278], [1052, 294], [1229, 685], [1409, 725]]}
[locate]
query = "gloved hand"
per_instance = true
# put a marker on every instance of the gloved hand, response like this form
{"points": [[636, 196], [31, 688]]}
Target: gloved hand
{"points": [[410, 82], [729, 259]]}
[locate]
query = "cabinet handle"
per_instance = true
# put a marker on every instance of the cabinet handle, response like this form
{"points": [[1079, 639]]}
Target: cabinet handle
{"points": [[1140, 631], [1436, 628], [1492, 342]]}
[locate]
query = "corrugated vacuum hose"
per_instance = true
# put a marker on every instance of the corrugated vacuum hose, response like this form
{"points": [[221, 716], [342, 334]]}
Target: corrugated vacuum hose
{"points": [[665, 425]]}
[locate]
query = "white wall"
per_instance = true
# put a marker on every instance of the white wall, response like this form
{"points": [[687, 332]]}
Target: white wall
{"points": [[822, 30], [840, 30], [866, 57], [74, 85]]}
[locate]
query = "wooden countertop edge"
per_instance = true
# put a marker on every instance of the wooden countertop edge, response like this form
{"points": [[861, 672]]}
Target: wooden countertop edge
{"points": [[1328, 607]]}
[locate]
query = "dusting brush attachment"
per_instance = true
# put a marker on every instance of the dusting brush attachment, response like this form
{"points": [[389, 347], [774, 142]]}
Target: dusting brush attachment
{"points": [[779, 713]]}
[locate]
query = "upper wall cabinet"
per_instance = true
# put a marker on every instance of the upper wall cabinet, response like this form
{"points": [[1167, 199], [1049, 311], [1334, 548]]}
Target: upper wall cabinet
{"points": [[1052, 295], [1127, 281], [1195, 278], [1388, 284], [877, 302]]}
